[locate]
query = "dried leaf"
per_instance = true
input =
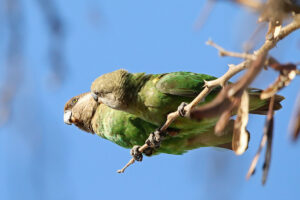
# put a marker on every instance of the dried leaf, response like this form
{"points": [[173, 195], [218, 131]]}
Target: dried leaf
{"points": [[240, 137], [274, 64], [283, 80]]}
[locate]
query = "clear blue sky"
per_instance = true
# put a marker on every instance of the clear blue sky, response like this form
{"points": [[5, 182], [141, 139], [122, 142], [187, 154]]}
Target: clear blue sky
{"points": [[42, 158]]}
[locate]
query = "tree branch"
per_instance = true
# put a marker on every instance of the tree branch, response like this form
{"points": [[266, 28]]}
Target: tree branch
{"points": [[257, 58]]}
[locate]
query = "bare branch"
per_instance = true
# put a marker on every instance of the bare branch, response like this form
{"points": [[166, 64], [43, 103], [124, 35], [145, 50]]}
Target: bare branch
{"points": [[223, 52], [232, 91], [223, 100]]}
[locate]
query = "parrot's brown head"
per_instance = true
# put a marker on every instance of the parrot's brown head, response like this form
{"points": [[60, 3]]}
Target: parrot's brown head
{"points": [[110, 88], [80, 110]]}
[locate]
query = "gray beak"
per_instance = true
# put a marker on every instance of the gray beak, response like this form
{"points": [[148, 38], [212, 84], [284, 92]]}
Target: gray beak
{"points": [[95, 97], [67, 117]]}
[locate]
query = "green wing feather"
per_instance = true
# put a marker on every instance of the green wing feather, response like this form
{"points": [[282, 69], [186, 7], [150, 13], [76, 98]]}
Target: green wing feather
{"points": [[186, 84]]}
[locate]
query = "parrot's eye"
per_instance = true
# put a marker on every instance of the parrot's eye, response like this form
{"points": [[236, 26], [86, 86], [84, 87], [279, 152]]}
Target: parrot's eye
{"points": [[74, 101], [99, 94]]}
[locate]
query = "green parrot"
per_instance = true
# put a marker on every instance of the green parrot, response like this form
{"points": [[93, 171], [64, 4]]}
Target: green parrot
{"points": [[128, 130], [152, 96]]}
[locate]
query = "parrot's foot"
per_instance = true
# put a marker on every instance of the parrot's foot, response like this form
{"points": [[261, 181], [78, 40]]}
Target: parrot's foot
{"points": [[136, 154], [148, 151], [181, 110], [155, 138]]}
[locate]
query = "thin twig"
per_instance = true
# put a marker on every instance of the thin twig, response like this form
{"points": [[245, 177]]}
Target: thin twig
{"points": [[127, 165], [223, 52]]}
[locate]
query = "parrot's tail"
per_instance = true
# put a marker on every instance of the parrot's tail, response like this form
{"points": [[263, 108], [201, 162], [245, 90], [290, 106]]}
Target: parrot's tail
{"points": [[261, 106]]}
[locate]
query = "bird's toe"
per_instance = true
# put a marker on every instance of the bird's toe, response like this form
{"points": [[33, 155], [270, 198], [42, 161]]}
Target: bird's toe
{"points": [[136, 154], [181, 109]]}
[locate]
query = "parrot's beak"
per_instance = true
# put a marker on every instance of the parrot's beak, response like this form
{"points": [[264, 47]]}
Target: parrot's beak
{"points": [[67, 117], [95, 97]]}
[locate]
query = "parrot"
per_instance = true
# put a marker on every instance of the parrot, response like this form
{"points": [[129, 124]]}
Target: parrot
{"points": [[152, 97], [128, 130]]}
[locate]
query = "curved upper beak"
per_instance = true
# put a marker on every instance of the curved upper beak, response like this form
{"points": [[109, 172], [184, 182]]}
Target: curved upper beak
{"points": [[95, 97], [67, 117]]}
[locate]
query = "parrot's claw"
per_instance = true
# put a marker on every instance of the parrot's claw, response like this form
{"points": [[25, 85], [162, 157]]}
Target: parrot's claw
{"points": [[136, 154], [181, 110], [155, 138]]}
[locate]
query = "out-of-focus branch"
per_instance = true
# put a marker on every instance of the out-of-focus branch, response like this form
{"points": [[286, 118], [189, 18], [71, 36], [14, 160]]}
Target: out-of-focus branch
{"points": [[56, 29], [269, 126], [204, 14], [14, 59], [253, 4], [267, 138], [296, 120], [209, 5]]}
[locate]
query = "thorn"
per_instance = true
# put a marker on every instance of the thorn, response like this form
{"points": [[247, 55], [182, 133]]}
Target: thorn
{"points": [[231, 65], [277, 31]]}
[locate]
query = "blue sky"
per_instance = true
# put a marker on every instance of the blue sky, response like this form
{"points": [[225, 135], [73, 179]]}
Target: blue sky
{"points": [[42, 158]]}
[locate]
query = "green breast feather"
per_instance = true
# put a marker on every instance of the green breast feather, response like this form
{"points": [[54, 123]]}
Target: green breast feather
{"points": [[128, 130]]}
